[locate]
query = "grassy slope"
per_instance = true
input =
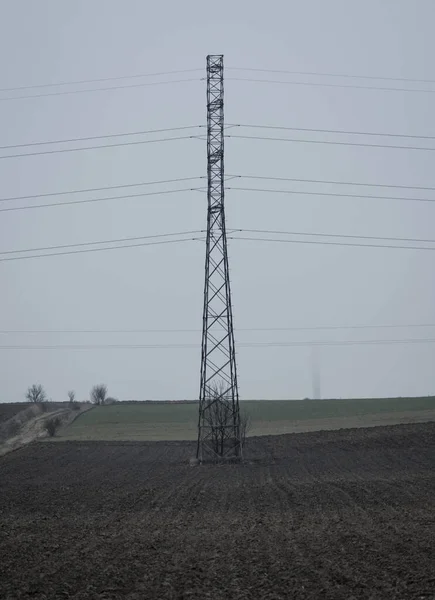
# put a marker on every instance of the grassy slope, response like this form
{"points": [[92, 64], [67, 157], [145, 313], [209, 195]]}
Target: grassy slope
{"points": [[178, 421]]}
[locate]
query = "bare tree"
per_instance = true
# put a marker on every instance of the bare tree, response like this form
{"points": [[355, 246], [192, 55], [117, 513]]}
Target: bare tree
{"points": [[36, 393], [98, 394], [71, 396], [245, 426], [220, 416], [221, 419]]}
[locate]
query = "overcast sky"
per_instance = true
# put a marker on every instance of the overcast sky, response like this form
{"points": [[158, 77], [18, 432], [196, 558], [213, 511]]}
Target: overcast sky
{"points": [[275, 285]]}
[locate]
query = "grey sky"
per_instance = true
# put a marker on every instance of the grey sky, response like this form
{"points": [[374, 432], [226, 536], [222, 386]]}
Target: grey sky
{"points": [[274, 285]]}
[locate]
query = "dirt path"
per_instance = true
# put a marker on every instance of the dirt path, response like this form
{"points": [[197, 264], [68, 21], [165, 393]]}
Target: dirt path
{"points": [[34, 429]]}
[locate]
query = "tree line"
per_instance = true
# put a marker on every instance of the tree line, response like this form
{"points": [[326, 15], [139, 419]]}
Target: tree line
{"points": [[36, 394]]}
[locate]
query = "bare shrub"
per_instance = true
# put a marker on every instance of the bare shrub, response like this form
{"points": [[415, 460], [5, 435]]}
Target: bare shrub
{"points": [[9, 429], [13, 427], [219, 416], [245, 427], [36, 394], [110, 400], [221, 420], [99, 394], [52, 425]]}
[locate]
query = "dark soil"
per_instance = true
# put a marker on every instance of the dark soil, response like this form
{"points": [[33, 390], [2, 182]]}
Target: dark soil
{"points": [[333, 515], [10, 409]]}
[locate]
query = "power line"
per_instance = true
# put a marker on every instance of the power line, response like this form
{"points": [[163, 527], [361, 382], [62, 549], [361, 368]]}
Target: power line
{"points": [[61, 150], [194, 232], [340, 327], [335, 131], [339, 343], [89, 200], [182, 71], [247, 329], [329, 182], [94, 243], [244, 238], [183, 128], [100, 89], [241, 345], [100, 137], [344, 75], [388, 246], [330, 194], [331, 85], [335, 235], [333, 142], [100, 80], [182, 179], [100, 189], [230, 125], [68, 252]]}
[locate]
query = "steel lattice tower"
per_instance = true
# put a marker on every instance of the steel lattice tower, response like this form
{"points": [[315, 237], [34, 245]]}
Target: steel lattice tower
{"points": [[219, 433]]}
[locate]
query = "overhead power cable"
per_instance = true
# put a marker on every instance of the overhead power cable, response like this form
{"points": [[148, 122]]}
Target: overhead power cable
{"points": [[328, 142], [231, 237], [200, 69], [95, 243], [327, 74], [329, 194], [338, 343], [329, 182], [68, 252], [197, 231], [99, 80], [105, 199], [99, 89], [134, 143], [334, 131], [332, 85], [100, 189], [338, 235], [100, 137], [182, 179], [234, 125], [287, 241], [228, 126], [248, 329], [240, 345]]}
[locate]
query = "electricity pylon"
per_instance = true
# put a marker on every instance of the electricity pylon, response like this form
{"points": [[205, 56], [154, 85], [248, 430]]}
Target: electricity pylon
{"points": [[219, 432]]}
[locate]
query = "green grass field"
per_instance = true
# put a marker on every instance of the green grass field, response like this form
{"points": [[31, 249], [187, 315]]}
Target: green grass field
{"points": [[164, 421]]}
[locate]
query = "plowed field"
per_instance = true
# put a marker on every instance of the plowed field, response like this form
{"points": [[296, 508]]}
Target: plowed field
{"points": [[10, 409], [334, 515]]}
